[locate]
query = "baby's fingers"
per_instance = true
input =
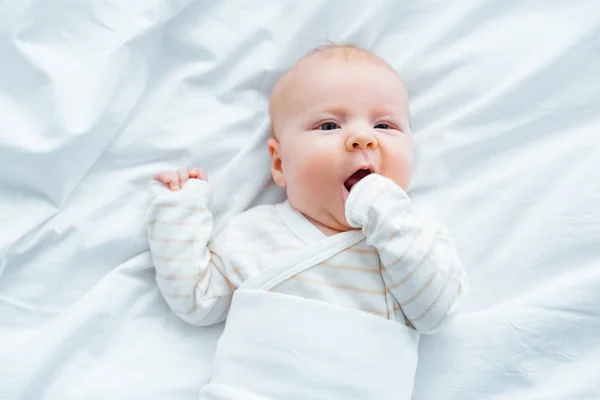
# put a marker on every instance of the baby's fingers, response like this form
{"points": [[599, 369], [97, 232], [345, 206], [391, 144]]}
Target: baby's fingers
{"points": [[184, 176], [197, 173], [169, 178]]}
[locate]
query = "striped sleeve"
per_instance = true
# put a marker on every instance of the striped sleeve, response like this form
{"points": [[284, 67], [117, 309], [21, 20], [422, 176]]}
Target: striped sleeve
{"points": [[189, 275], [421, 267]]}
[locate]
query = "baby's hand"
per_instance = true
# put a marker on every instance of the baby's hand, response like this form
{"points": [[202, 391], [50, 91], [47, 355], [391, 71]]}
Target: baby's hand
{"points": [[175, 179]]}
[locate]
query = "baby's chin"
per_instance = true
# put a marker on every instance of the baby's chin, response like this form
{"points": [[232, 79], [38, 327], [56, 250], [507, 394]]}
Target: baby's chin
{"points": [[338, 219], [329, 215], [330, 222], [330, 229], [345, 194]]}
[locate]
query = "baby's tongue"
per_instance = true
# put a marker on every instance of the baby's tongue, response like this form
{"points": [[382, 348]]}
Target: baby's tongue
{"points": [[355, 178]]}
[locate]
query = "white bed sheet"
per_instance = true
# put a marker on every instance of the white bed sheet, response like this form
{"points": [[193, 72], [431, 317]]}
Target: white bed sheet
{"points": [[97, 96]]}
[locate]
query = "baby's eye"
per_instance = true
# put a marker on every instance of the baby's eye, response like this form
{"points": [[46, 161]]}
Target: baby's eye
{"points": [[329, 126], [382, 126]]}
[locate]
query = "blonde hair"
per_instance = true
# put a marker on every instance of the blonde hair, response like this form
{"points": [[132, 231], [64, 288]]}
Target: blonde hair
{"points": [[346, 50]]}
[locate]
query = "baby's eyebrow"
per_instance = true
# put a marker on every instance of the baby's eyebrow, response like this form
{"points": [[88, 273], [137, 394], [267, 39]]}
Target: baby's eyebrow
{"points": [[333, 109], [386, 110], [391, 112]]}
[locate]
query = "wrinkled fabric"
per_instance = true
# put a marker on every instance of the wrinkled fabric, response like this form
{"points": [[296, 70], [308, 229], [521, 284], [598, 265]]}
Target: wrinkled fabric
{"points": [[97, 96]]}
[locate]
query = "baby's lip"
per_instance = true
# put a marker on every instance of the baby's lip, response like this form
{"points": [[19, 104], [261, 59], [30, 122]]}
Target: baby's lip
{"points": [[357, 175], [369, 167]]}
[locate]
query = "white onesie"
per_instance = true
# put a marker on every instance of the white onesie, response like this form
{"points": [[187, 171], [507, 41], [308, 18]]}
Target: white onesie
{"points": [[405, 269]]}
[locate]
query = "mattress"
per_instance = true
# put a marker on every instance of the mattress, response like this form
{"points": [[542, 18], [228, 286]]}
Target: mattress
{"points": [[97, 96]]}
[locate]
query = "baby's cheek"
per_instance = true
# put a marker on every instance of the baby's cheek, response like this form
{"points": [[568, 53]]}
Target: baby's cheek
{"points": [[319, 161], [399, 166], [404, 178], [304, 165], [305, 180], [315, 172]]}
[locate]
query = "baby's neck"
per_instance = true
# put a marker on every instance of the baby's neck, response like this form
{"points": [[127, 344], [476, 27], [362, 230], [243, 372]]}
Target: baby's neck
{"points": [[327, 230]]}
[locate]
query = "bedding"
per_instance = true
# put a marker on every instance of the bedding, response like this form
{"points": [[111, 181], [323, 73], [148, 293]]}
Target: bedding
{"points": [[97, 96]]}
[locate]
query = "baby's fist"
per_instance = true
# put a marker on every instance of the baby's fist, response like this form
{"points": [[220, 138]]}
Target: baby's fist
{"points": [[175, 179]]}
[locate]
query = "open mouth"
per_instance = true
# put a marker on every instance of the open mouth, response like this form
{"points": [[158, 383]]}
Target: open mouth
{"points": [[355, 178]]}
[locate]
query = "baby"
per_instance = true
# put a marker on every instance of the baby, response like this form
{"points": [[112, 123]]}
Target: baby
{"points": [[347, 244]]}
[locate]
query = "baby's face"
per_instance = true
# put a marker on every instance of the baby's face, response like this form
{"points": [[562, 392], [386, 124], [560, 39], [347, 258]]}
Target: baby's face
{"points": [[332, 118]]}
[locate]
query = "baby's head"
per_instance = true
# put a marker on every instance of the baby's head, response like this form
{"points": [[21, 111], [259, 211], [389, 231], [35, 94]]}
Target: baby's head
{"points": [[339, 110]]}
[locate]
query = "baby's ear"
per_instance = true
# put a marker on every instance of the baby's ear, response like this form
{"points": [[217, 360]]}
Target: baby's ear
{"points": [[276, 164]]}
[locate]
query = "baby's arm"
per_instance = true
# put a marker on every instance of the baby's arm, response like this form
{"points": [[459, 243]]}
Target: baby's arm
{"points": [[420, 265], [189, 275]]}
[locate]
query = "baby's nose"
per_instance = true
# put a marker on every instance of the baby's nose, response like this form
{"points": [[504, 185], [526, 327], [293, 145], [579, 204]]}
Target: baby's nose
{"points": [[361, 142]]}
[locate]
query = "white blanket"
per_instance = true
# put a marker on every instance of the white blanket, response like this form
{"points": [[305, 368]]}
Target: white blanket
{"points": [[279, 346], [96, 96]]}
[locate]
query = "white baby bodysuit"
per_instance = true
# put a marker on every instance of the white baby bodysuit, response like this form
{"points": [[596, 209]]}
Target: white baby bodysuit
{"points": [[406, 269]]}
